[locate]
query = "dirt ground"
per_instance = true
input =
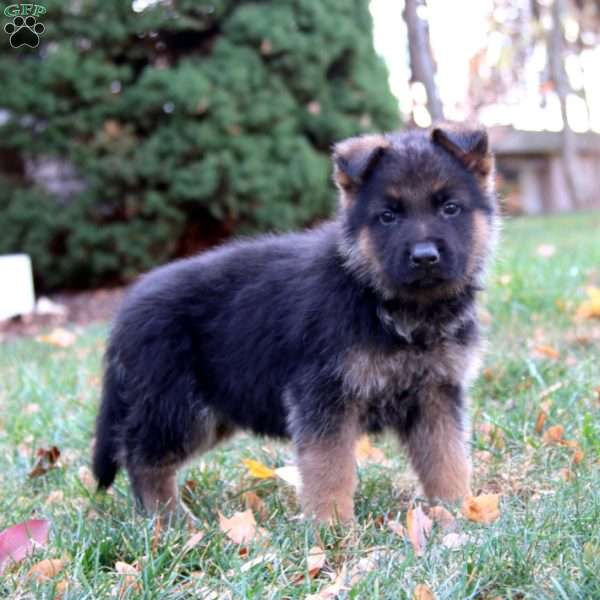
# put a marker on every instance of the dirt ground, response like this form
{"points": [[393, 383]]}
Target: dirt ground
{"points": [[80, 308]]}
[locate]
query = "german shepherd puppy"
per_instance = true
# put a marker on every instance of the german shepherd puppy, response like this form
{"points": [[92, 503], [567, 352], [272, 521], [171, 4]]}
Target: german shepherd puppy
{"points": [[365, 323]]}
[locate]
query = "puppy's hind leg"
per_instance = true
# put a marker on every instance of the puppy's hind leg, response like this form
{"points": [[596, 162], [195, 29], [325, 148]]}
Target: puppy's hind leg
{"points": [[153, 459]]}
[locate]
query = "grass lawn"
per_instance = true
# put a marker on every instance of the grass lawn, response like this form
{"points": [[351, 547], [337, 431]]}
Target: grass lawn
{"points": [[545, 543]]}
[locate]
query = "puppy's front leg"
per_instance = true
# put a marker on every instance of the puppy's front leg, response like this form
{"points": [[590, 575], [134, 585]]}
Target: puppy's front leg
{"points": [[437, 443], [328, 471]]}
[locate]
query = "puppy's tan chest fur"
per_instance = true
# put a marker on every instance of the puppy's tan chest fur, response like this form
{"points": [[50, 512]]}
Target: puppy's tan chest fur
{"points": [[368, 375]]}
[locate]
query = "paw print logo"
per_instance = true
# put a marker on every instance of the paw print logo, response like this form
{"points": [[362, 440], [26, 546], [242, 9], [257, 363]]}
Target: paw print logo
{"points": [[24, 32]]}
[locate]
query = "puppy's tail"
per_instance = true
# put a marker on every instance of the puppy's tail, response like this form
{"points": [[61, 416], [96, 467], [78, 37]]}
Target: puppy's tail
{"points": [[104, 463]]}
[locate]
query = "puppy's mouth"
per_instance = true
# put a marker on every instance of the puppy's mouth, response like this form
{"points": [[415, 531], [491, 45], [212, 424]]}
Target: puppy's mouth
{"points": [[427, 279]]}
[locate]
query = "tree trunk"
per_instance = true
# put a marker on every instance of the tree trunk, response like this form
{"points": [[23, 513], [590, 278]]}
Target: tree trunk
{"points": [[421, 61], [558, 75]]}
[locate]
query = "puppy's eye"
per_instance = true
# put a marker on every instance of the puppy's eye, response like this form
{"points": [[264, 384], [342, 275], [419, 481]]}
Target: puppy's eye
{"points": [[450, 209], [388, 217]]}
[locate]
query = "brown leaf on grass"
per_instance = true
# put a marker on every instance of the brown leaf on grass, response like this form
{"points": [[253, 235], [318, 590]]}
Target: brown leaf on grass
{"points": [[314, 563], [60, 589], [130, 578], [455, 540], [331, 591], [193, 541], [546, 351], [565, 473], [366, 453], [365, 565], [46, 569], [578, 456], [55, 497], [21, 540], [422, 592], [241, 527], [569, 443], [488, 374], [554, 434], [418, 526], [59, 337], [442, 516], [590, 308], [483, 456], [397, 528], [156, 536], [482, 509], [257, 469], [188, 491], [86, 478], [540, 420], [316, 560], [256, 504], [47, 458], [492, 435]]}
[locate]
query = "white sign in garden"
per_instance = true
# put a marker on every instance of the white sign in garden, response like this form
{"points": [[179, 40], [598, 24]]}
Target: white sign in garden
{"points": [[16, 286]]}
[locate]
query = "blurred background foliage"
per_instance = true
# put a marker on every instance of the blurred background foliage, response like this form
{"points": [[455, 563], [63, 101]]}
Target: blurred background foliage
{"points": [[138, 133]]}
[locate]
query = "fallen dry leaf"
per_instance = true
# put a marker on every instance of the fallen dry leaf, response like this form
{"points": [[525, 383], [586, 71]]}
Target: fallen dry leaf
{"points": [[455, 540], [59, 337], [55, 497], [60, 589], [290, 474], [442, 516], [418, 526], [255, 504], [482, 509], [130, 579], [47, 458], [540, 420], [397, 528], [331, 591], [361, 568], [314, 564], [257, 469], [546, 351], [578, 456], [86, 478], [316, 560], [193, 541], [554, 434], [492, 435], [241, 527], [366, 453], [565, 473], [483, 456], [590, 308], [422, 592], [46, 569], [21, 540]]}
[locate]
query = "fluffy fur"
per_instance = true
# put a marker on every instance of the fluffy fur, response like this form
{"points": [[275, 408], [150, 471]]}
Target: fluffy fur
{"points": [[316, 336]]}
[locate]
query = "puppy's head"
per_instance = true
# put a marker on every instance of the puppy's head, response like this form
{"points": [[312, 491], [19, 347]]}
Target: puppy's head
{"points": [[418, 210]]}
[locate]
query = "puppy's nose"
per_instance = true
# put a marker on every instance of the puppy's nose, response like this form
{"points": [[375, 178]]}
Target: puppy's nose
{"points": [[424, 254]]}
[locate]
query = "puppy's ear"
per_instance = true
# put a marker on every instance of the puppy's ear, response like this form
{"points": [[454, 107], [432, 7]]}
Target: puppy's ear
{"points": [[353, 160], [470, 146]]}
